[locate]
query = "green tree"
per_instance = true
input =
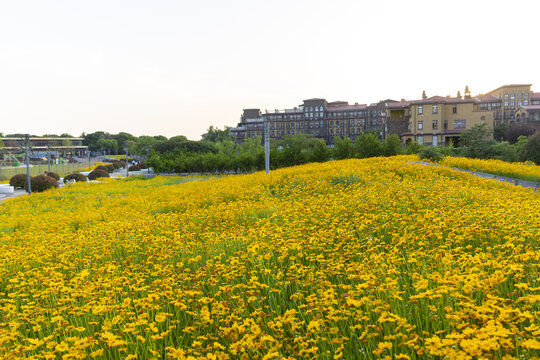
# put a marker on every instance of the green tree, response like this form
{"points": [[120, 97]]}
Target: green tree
{"points": [[213, 134], [477, 140], [368, 145], [91, 140], [499, 132], [343, 149], [392, 145], [320, 152], [122, 138], [532, 149], [110, 145]]}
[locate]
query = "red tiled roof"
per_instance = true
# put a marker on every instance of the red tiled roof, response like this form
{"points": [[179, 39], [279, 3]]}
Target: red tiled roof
{"points": [[314, 99], [346, 107], [398, 104], [442, 99], [487, 98], [535, 96]]}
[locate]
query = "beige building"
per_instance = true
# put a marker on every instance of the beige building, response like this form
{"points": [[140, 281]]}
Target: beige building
{"points": [[512, 97], [435, 120], [439, 120]]}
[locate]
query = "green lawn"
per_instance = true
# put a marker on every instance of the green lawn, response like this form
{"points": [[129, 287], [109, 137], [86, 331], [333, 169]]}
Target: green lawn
{"points": [[7, 172]]}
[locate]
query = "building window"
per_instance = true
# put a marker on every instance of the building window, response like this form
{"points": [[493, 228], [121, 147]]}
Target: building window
{"points": [[445, 124], [506, 104], [459, 124], [483, 117], [525, 102], [435, 141], [512, 103], [519, 96], [420, 110], [454, 109], [513, 96], [435, 124], [526, 95], [420, 125], [435, 109], [420, 140], [505, 96]]}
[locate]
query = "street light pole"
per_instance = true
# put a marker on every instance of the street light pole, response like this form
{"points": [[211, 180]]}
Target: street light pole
{"points": [[266, 145], [28, 183], [89, 165], [127, 164], [49, 156]]}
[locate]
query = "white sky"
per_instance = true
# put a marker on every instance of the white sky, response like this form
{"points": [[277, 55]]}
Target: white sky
{"points": [[177, 67]]}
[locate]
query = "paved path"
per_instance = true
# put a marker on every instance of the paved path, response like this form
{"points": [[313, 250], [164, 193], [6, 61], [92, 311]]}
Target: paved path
{"points": [[528, 184], [115, 175]]}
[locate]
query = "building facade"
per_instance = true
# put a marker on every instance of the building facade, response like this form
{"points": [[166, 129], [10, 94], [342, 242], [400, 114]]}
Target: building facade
{"points": [[316, 117], [41, 147], [432, 120]]}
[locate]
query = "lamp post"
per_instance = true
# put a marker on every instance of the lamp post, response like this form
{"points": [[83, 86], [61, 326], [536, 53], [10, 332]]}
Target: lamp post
{"points": [[266, 146], [127, 164], [28, 183], [48, 157]]}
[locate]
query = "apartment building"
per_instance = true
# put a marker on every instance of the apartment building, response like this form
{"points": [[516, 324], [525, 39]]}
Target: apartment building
{"points": [[432, 120], [316, 117], [42, 146]]}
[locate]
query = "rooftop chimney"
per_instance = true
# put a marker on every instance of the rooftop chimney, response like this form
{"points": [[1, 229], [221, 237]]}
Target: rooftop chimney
{"points": [[467, 92], [424, 96]]}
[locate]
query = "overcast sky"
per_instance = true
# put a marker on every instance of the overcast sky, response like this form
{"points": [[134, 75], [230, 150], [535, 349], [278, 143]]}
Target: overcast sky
{"points": [[177, 67]]}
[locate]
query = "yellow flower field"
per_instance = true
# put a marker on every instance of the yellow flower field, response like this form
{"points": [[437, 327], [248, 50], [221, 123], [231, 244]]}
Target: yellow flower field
{"points": [[525, 171], [370, 259]]}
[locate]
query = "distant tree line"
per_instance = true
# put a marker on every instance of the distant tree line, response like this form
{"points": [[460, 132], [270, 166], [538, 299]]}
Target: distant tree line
{"points": [[217, 152]]}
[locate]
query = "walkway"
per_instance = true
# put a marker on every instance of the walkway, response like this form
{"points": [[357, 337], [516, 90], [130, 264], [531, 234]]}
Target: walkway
{"points": [[524, 183], [115, 175]]}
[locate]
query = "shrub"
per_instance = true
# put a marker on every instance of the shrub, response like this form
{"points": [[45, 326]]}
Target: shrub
{"points": [[134, 168], [75, 176], [392, 145], [53, 175], [413, 148], [117, 165], [431, 153], [102, 167], [513, 132], [42, 182], [368, 145], [18, 181], [110, 168], [143, 165], [532, 149], [98, 173]]}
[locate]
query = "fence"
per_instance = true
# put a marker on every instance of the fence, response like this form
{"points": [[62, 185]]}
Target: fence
{"points": [[61, 169]]}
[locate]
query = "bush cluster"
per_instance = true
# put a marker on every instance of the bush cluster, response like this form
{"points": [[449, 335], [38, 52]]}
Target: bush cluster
{"points": [[53, 175], [18, 181], [42, 182], [134, 168], [75, 176], [102, 167], [98, 173], [431, 153]]}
